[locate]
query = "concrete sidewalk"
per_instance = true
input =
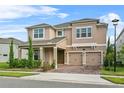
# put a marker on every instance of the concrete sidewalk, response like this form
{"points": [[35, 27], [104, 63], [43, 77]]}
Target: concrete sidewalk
{"points": [[72, 78]]}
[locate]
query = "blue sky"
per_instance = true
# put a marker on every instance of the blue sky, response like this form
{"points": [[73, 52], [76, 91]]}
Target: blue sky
{"points": [[14, 19]]}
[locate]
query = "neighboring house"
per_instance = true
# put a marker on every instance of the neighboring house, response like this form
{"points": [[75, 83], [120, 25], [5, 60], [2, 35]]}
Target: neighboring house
{"points": [[5, 48], [120, 41], [79, 42]]}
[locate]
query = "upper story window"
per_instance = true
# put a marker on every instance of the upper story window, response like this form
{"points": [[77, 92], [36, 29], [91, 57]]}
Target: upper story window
{"points": [[38, 33], [83, 32], [60, 33]]}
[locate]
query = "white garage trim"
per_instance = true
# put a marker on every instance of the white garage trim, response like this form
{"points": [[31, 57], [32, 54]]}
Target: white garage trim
{"points": [[67, 58], [85, 44]]}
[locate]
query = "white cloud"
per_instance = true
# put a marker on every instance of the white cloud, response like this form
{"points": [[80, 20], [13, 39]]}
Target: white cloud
{"points": [[22, 37], [108, 19], [14, 12], [63, 15], [16, 31], [48, 10], [12, 28]]}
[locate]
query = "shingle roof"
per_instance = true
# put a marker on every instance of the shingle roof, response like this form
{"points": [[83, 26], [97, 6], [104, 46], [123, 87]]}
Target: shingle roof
{"points": [[39, 25], [63, 24], [44, 42], [76, 21], [8, 40]]}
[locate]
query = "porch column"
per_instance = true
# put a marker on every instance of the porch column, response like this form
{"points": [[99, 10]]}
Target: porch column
{"points": [[84, 58], [19, 53], [41, 54], [67, 57], [55, 56]]}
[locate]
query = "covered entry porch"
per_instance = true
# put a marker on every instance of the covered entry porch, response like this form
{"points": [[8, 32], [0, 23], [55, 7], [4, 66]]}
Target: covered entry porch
{"points": [[47, 52]]}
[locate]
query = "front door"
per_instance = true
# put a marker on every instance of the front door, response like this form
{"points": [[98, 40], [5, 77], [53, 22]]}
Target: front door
{"points": [[60, 56]]}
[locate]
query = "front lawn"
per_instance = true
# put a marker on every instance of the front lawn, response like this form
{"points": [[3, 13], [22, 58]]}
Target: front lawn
{"points": [[114, 80], [15, 74], [4, 65], [119, 72]]}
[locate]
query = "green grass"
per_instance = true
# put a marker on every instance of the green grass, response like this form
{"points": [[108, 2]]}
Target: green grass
{"points": [[119, 72], [15, 74], [114, 80], [4, 65]]}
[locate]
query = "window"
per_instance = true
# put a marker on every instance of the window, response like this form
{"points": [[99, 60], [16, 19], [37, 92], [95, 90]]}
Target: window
{"points": [[83, 32], [60, 33], [36, 55], [38, 33], [78, 33], [89, 32], [5, 55]]}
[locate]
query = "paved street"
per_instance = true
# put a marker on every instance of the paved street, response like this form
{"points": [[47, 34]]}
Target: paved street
{"points": [[20, 83]]}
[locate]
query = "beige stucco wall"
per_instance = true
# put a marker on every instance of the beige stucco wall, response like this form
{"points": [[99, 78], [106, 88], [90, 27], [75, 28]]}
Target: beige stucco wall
{"points": [[30, 32], [48, 55], [100, 36], [68, 35]]}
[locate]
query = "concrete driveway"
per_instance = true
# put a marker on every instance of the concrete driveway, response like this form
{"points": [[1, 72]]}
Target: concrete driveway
{"points": [[76, 69], [67, 77]]}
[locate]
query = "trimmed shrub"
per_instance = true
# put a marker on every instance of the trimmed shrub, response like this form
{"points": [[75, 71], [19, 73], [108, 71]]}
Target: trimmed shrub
{"points": [[46, 66], [53, 65], [36, 63], [22, 63]]}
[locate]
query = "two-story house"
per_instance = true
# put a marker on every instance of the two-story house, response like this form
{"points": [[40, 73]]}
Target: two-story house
{"points": [[79, 42]]}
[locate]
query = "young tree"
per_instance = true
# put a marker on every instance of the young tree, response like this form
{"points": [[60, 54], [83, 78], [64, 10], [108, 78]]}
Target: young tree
{"points": [[109, 55], [11, 55], [30, 54]]}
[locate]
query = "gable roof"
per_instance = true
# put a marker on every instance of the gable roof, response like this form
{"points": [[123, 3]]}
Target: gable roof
{"points": [[39, 25], [8, 40]]}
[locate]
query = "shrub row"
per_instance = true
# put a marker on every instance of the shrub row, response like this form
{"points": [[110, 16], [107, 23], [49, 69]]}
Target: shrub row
{"points": [[23, 63]]}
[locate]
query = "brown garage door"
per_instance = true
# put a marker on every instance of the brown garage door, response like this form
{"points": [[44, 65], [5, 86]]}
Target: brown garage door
{"points": [[75, 58], [93, 58]]}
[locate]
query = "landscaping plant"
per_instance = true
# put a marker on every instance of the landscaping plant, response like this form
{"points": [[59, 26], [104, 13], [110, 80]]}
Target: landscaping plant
{"points": [[11, 55], [109, 57], [30, 54], [46, 66]]}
